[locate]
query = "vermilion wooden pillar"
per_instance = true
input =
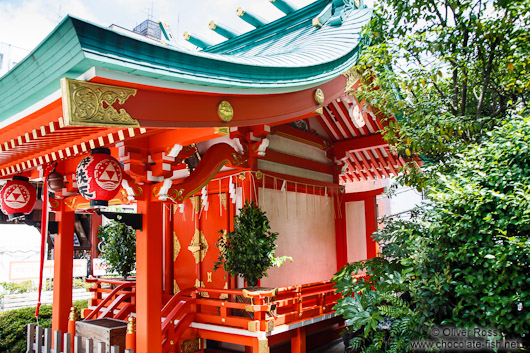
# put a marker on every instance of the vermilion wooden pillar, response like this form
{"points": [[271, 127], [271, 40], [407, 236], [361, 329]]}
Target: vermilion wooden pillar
{"points": [[341, 244], [149, 257], [168, 249], [370, 218], [63, 268], [95, 223]]}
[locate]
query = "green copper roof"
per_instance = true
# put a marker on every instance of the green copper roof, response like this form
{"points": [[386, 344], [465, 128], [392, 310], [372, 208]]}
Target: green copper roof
{"points": [[288, 54]]}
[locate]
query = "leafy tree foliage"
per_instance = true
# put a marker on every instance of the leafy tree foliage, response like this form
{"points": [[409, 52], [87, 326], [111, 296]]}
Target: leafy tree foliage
{"points": [[119, 247], [455, 75], [464, 256], [249, 249], [448, 70]]}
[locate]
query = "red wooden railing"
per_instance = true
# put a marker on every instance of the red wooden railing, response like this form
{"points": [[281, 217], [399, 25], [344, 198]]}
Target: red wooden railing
{"points": [[257, 310], [117, 302]]}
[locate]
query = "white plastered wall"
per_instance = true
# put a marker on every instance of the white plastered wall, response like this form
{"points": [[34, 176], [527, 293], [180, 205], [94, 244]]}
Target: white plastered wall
{"points": [[355, 230], [306, 227]]}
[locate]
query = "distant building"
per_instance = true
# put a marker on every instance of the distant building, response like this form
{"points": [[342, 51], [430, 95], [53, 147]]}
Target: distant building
{"points": [[149, 29], [10, 55]]}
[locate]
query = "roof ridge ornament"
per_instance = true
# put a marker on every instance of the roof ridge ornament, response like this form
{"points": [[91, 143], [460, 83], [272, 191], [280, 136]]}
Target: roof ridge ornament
{"points": [[91, 104]]}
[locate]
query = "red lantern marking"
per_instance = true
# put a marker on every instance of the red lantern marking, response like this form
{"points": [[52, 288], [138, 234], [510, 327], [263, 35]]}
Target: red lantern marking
{"points": [[108, 174], [16, 196], [99, 177]]}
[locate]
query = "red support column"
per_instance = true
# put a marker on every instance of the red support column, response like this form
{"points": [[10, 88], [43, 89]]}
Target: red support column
{"points": [[95, 223], [341, 244], [298, 342], [370, 216], [168, 249], [149, 276], [63, 268]]}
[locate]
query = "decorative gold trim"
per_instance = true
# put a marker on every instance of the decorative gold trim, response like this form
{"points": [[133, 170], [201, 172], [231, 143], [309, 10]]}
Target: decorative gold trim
{"points": [[320, 111], [225, 111], [224, 295], [91, 104], [70, 203], [198, 246], [196, 203], [319, 96], [222, 130], [209, 274], [74, 314], [131, 325], [270, 326], [263, 345], [252, 326], [259, 175], [352, 76], [176, 246], [176, 287]]}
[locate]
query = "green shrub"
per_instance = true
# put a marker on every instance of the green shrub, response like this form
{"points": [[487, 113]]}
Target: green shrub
{"points": [[249, 249], [13, 325], [119, 249]]}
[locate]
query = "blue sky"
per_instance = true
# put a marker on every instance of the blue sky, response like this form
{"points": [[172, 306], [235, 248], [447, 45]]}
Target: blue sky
{"points": [[25, 23]]}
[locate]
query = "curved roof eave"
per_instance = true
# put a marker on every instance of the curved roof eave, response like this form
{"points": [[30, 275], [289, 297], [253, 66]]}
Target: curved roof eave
{"points": [[75, 46]]}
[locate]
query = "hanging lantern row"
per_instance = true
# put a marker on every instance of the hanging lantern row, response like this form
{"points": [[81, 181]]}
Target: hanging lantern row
{"points": [[18, 197], [99, 177]]}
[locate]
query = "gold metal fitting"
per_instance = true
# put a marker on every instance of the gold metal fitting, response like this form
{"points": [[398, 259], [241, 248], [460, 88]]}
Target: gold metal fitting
{"points": [[74, 314], [131, 325], [318, 96], [225, 111]]}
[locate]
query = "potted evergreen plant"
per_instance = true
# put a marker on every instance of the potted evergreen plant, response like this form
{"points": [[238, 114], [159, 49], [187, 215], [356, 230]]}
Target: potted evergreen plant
{"points": [[118, 247], [249, 249]]}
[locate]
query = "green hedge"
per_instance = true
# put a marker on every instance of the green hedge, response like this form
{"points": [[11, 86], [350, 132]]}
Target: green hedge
{"points": [[13, 325]]}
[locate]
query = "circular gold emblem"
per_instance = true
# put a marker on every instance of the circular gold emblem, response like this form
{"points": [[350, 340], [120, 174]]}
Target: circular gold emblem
{"points": [[225, 111], [319, 96]]}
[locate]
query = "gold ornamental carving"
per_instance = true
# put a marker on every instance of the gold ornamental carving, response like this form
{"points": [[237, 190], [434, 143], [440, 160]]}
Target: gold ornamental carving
{"points": [[176, 246], [225, 111], [224, 295], [91, 104], [176, 287], [352, 76], [198, 246], [319, 96]]}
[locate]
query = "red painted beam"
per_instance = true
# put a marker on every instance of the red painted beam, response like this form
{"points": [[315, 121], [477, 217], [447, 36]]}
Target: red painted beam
{"points": [[159, 107], [299, 162], [306, 137], [358, 144]]}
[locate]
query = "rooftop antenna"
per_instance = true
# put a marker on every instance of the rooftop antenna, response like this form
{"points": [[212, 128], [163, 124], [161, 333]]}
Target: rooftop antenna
{"points": [[150, 11]]}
